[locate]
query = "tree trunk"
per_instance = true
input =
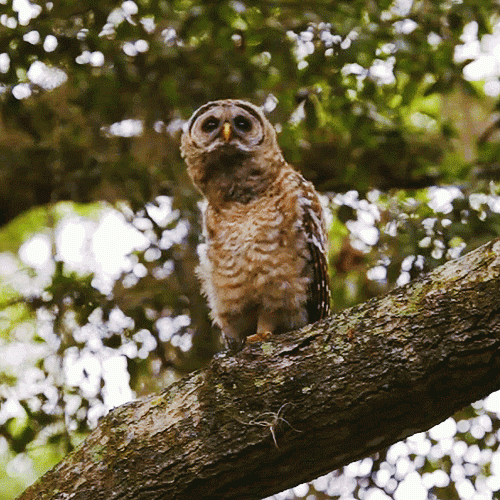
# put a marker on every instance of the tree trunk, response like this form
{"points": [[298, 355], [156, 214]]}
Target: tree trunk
{"points": [[285, 411]]}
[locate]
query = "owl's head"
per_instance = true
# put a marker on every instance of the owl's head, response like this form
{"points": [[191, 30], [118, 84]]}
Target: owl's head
{"points": [[228, 124], [228, 142]]}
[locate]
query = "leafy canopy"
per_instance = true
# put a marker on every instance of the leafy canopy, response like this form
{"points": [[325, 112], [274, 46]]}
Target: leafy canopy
{"points": [[389, 107]]}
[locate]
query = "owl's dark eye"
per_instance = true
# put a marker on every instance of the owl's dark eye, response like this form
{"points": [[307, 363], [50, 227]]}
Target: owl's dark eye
{"points": [[210, 124], [242, 123]]}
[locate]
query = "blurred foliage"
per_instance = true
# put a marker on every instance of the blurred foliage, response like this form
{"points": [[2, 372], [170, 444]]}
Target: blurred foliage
{"points": [[370, 102]]}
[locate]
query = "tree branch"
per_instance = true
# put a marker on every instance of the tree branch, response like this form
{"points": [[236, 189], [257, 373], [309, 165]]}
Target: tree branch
{"points": [[288, 410]]}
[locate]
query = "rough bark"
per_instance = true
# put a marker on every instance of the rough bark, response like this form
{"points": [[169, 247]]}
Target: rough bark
{"points": [[302, 404]]}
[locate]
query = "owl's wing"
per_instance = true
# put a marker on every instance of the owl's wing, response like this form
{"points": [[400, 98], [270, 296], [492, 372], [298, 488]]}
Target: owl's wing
{"points": [[318, 303]]}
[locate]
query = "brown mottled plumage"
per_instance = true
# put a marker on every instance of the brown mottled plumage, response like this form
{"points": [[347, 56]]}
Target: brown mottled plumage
{"points": [[263, 267]]}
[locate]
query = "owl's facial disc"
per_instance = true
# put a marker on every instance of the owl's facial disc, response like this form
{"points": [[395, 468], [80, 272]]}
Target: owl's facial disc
{"points": [[228, 128]]}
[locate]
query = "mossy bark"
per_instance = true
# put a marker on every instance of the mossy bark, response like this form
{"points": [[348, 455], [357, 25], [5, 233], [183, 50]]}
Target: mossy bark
{"points": [[302, 404]]}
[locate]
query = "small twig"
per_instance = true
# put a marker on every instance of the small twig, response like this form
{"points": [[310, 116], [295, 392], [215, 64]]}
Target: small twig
{"points": [[273, 423]]}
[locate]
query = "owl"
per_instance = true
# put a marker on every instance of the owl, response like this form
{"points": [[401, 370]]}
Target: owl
{"points": [[263, 266]]}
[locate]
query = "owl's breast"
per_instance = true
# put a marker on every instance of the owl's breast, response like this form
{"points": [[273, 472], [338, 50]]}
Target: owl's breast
{"points": [[256, 253]]}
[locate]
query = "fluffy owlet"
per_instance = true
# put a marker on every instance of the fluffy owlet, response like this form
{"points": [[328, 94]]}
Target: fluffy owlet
{"points": [[263, 267]]}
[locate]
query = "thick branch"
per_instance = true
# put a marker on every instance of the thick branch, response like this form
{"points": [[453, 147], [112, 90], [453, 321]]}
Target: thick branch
{"points": [[305, 403]]}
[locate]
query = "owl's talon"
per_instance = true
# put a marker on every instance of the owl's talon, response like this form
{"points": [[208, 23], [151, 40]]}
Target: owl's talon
{"points": [[258, 337]]}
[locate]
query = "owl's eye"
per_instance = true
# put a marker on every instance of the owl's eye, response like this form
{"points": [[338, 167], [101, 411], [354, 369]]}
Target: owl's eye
{"points": [[210, 124], [242, 123]]}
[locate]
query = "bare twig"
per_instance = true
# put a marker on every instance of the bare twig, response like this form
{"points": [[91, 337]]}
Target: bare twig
{"points": [[273, 423]]}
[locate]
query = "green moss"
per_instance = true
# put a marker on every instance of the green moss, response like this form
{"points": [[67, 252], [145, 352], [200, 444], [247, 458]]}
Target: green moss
{"points": [[159, 401], [97, 453], [260, 382], [267, 348]]}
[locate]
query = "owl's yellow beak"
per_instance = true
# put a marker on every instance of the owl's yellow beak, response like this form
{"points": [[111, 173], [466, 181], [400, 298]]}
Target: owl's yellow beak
{"points": [[226, 131]]}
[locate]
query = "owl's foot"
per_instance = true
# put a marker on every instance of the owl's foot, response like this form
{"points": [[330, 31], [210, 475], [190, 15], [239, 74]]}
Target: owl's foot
{"points": [[258, 337]]}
